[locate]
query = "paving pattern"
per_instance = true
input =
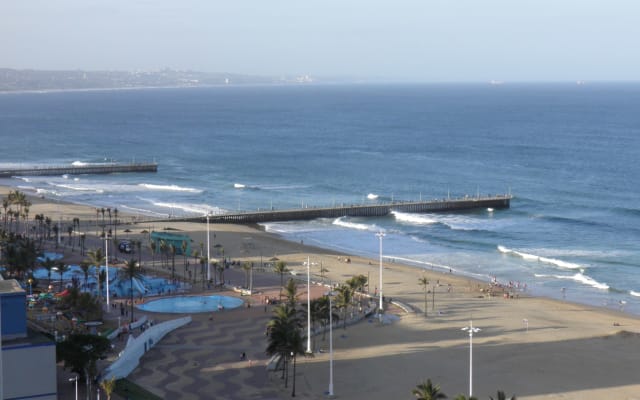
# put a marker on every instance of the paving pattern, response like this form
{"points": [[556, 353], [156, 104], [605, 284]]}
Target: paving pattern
{"points": [[202, 360]]}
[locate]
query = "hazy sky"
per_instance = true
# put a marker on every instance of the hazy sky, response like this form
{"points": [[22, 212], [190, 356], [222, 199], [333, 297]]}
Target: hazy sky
{"points": [[408, 40]]}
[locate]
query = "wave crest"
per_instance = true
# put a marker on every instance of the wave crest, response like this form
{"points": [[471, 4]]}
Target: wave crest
{"points": [[580, 278], [173, 188], [546, 260], [354, 225], [417, 219]]}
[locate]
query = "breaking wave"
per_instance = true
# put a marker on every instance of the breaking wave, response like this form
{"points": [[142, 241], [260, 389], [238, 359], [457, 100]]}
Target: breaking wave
{"points": [[546, 260]]}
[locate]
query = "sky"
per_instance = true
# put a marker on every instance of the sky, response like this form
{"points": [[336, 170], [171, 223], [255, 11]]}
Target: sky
{"points": [[399, 40]]}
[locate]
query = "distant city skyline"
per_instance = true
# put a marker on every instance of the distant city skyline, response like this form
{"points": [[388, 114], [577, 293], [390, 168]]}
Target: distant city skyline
{"points": [[412, 40]]}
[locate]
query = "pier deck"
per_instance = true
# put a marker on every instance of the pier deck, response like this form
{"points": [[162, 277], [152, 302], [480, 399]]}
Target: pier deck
{"points": [[370, 210], [102, 168]]}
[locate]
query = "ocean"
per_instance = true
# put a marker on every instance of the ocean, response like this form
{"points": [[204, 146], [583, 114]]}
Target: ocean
{"points": [[567, 153]]}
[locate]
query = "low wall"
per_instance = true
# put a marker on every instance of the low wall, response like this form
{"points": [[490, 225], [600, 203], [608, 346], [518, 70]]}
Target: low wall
{"points": [[137, 346]]}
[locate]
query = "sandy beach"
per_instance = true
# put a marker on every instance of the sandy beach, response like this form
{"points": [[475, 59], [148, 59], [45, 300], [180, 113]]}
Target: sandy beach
{"points": [[532, 347]]}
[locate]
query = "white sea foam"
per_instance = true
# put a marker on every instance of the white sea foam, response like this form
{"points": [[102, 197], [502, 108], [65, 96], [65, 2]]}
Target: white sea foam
{"points": [[416, 219], [80, 188], [354, 225], [546, 260], [454, 222], [634, 293], [372, 196], [47, 192], [142, 211], [79, 163], [239, 186], [580, 278], [189, 209], [173, 188]]}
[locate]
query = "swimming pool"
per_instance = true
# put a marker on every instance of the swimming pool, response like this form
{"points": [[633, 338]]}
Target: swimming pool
{"points": [[191, 304]]}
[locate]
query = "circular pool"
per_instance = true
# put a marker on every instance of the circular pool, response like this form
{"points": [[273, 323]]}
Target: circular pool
{"points": [[190, 304]]}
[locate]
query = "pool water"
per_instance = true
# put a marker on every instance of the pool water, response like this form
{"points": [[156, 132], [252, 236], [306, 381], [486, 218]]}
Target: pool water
{"points": [[191, 304]]}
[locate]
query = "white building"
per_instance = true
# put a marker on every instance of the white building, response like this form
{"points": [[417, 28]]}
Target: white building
{"points": [[27, 358]]}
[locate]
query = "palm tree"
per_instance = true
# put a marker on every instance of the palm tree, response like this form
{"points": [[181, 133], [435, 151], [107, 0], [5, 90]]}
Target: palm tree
{"points": [[131, 272], [96, 258], [246, 266], [152, 247], [163, 251], [502, 396], [62, 268], [464, 397], [172, 251], [108, 386], [424, 282], [5, 206], [183, 247], [84, 266], [291, 292], [285, 337], [70, 232], [115, 223], [83, 237], [281, 268], [48, 264], [428, 391], [203, 261], [344, 298], [296, 347], [322, 271]]}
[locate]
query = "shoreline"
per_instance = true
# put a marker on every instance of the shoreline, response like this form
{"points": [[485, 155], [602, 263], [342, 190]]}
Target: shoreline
{"points": [[534, 347], [87, 213]]}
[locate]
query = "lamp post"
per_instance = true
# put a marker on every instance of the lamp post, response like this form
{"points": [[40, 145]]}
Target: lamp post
{"points": [[76, 381], [380, 235], [308, 306], [471, 331], [208, 252], [106, 264], [30, 287], [330, 294]]}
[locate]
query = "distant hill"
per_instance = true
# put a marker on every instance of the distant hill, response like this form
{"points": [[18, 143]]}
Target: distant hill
{"points": [[36, 80]]}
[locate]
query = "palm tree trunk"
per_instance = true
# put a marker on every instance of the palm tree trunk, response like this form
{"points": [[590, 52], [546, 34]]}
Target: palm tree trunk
{"points": [[293, 392]]}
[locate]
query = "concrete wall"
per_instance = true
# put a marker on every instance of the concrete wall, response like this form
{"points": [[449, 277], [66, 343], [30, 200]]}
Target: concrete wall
{"points": [[29, 371]]}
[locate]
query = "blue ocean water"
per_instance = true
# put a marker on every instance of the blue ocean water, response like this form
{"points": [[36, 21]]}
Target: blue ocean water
{"points": [[568, 153]]}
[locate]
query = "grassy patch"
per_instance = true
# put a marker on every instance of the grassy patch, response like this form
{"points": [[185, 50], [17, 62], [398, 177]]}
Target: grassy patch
{"points": [[129, 390]]}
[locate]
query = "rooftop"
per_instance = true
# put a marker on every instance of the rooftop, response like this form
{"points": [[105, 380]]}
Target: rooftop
{"points": [[10, 286]]}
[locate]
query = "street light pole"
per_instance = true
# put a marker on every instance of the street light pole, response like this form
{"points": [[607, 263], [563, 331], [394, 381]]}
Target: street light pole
{"points": [[208, 252], [471, 331], [380, 235], [106, 263], [308, 306], [330, 347], [76, 381]]}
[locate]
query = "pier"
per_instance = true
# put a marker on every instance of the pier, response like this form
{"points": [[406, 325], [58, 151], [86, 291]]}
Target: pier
{"points": [[83, 169], [364, 210]]}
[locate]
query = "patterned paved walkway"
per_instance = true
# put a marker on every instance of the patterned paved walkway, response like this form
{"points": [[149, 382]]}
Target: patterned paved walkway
{"points": [[202, 359]]}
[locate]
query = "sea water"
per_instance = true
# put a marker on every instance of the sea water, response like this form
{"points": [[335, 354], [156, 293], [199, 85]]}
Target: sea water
{"points": [[568, 153]]}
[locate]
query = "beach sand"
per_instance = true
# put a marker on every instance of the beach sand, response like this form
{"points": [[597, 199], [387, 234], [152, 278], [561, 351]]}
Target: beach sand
{"points": [[532, 347]]}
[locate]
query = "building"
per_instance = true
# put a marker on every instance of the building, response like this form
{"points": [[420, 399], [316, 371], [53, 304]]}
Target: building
{"points": [[27, 358]]}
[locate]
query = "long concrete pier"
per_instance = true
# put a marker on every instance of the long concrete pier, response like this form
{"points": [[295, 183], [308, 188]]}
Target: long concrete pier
{"points": [[102, 168], [372, 210]]}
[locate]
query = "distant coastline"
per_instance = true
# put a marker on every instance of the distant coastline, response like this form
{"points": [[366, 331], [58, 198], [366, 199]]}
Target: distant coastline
{"points": [[37, 81]]}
